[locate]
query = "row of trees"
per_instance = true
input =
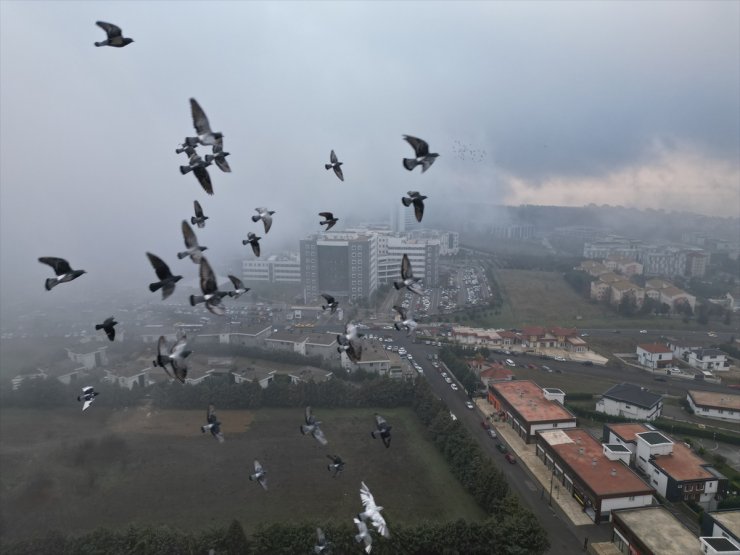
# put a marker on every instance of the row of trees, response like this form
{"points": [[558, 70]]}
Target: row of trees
{"points": [[452, 357]]}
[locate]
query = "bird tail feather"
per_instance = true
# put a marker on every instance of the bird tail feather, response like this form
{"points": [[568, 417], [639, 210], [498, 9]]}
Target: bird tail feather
{"points": [[101, 43], [154, 287], [193, 220], [209, 158], [410, 163], [195, 299], [255, 218], [50, 282], [185, 169], [98, 327], [181, 255], [327, 166], [406, 201]]}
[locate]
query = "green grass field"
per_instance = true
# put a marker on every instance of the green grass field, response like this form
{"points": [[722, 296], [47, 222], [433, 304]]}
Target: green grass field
{"points": [[72, 471]]}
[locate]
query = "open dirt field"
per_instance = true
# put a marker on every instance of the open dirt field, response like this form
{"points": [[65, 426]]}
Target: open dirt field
{"points": [[72, 471]]}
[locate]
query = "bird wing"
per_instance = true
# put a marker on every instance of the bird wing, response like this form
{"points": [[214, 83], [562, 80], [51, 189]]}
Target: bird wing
{"points": [[162, 347], [333, 158], [256, 247], [236, 281], [110, 331], [198, 209], [177, 348], [368, 501], [87, 404], [421, 148], [267, 220], [214, 306], [60, 265], [204, 178], [222, 164], [162, 270], [406, 271], [111, 30], [318, 434], [257, 466], [418, 209], [427, 163], [338, 171], [200, 121], [327, 215], [400, 310], [329, 298], [187, 232], [310, 420], [207, 278], [320, 536], [211, 414], [180, 368]]}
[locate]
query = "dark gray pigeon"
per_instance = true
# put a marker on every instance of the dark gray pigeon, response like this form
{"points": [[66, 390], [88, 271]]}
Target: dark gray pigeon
{"points": [[107, 327], [330, 303], [352, 348], [329, 220], [337, 465], [219, 156], [312, 427], [202, 127], [200, 218], [407, 278], [266, 216], [253, 240], [259, 475], [421, 150], [382, 431], [211, 295], [115, 38], [61, 269], [194, 250], [213, 426], [166, 280], [88, 396], [418, 201], [408, 323], [336, 165], [175, 357], [198, 166], [239, 288]]}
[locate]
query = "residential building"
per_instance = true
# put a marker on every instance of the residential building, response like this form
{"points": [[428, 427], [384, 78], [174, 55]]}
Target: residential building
{"points": [[663, 261], [89, 360], [652, 531], [308, 374], [528, 408], [340, 264], [670, 467], [696, 264], [631, 401], [593, 268], [519, 232], [708, 359], [495, 373], [449, 241], [709, 404], [722, 524], [623, 265], [374, 359], [665, 292], [654, 355], [263, 376], [423, 255], [682, 347], [251, 336], [128, 377], [478, 337], [538, 338], [598, 482], [624, 288], [612, 246], [273, 269]]}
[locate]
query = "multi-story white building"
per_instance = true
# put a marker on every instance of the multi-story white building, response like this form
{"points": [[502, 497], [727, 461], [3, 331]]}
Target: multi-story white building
{"points": [[631, 401], [274, 269], [423, 255], [721, 406], [708, 359], [612, 246], [654, 355]]}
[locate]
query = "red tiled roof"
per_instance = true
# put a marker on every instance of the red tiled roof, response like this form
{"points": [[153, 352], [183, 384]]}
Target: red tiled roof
{"points": [[499, 373], [654, 347]]}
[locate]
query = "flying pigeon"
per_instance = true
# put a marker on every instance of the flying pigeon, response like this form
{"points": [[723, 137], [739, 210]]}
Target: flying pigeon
{"points": [[383, 430], [211, 295], [253, 240], [330, 303], [350, 347], [329, 220], [107, 327], [219, 156], [191, 243], [405, 322], [418, 201], [322, 546], [214, 426], [337, 465], [372, 511], [363, 535], [421, 150], [61, 269], [202, 127], [88, 395], [312, 427], [198, 166], [114, 35], [351, 331], [166, 280], [336, 164], [200, 218], [266, 216], [259, 474], [239, 288], [407, 277], [175, 357]]}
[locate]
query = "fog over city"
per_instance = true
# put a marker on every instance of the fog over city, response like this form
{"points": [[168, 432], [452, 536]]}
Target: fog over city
{"points": [[630, 104]]}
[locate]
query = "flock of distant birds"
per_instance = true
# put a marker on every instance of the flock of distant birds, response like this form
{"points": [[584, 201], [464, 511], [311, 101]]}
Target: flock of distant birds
{"points": [[173, 357]]}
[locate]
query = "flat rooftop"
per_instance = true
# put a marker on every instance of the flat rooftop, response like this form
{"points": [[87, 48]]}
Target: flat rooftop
{"points": [[721, 544], [528, 399], [660, 531], [654, 438], [628, 432], [716, 400], [729, 519], [617, 448], [683, 464], [373, 352], [585, 456]]}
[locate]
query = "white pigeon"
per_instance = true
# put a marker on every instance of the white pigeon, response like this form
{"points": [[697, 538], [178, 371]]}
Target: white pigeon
{"points": [[364, 535], [88, 395], [372, 511], [266, 216]]}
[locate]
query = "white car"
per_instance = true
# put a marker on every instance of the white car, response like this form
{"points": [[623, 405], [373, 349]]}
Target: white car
{"points": [[559, 359], [448, 380], [410, 357], [470, 405], [454, 387], [510, 362], [643, 331]]}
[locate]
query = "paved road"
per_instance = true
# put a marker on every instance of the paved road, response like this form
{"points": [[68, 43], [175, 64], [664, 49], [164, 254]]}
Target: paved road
{"points": [[565, 538]]}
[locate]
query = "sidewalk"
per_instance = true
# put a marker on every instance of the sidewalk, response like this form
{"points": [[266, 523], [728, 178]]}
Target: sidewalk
{"points": [[526, 455]]}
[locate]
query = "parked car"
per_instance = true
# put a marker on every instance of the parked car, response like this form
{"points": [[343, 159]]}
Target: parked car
{"points": [[501, 447], [643, 331], [546, 368], [510, 362], [470, 405], [454, 386], [484, 425], [492, 434], [509, 457], [587, 363]]}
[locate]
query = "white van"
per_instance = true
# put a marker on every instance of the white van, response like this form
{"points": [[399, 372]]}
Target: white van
{"points": [[510, 362]]}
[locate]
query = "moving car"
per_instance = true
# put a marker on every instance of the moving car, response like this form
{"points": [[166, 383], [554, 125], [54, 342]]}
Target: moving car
{"points": [[510, 362], [509, 457], [643, 331]]}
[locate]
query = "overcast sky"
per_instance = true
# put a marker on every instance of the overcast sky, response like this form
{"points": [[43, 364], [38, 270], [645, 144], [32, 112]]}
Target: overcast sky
{"points": [[630, 103]]}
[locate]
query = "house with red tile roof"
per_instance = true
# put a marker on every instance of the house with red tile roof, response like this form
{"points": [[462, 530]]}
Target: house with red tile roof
{"points": [[654, 355]]}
